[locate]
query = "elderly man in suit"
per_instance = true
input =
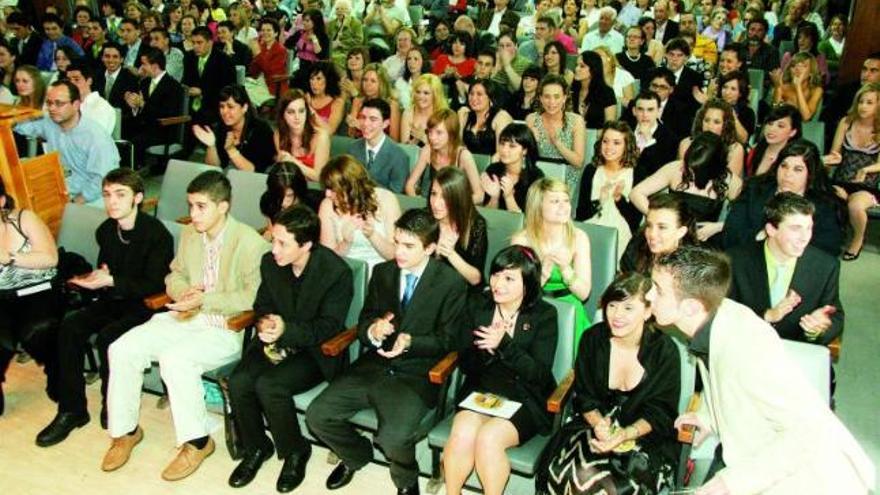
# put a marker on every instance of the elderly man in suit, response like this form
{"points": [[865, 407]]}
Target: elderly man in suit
{"points": [[493, 18], [206, 70], [410, 318], [792, 285], [304, 295], [778, 434], [386, 162]]}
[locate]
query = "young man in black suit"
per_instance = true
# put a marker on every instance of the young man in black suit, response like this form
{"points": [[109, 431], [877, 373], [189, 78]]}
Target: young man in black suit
{"points": [[206, 71], [792, 285], [655, 141], [409, 321], [678, 51], [135, 252], [114, 81], [385, 161], [27, 41], [661, 81], [304, 295]]}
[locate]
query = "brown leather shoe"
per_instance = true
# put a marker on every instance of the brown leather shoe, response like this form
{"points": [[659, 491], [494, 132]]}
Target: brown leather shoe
{"points": [[188, 459], [120, 450]]}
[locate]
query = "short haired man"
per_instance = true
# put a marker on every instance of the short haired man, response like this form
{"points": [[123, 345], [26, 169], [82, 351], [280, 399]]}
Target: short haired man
{"points": [[87, 150], [704, 47], [53, 29], [409, 321], [793, 285], [666, 28], [160, 39], [778, 435], [304, 296], [686, 79], [134, 252], [113, 82], [215, 274], [509, 64], [238, 52], [385, 160], [97, 30], [26, 40], [93, 106], [206, 71], [605, 35], [495, 17], [657, 144], [661, 81], [130, 37], [545, 32]]}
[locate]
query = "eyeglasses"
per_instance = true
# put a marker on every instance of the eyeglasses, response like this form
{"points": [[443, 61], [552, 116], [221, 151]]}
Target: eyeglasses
{"points": [[56, 103]]}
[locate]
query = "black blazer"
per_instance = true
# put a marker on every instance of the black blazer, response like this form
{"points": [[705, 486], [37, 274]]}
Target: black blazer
{"points": [[671, 31], [164, 102], [684, 92], [217, 74], [30, 50], [816, 279], [587, 208], [433, 319], [525, 360], [317, 312], [125, 81], [660, 153], [671, 120]]}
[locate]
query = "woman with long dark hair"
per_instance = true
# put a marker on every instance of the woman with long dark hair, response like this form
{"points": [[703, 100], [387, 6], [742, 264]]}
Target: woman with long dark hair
{"points": [[310, 43], [324, 96], [782, 124], [669, 224], [716, 116], [733, 88], [463, 239], [591, 97], [525, 100], [298, 140], [482, 119], [285, 186], [507, 181]]}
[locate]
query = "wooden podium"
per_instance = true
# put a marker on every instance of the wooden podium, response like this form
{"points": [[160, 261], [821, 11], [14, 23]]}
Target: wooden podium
{"points": [[37, 183]]}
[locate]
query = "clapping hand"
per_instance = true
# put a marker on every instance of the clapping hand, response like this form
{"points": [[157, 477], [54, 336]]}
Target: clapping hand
{"points": [[381, 328], [602, 430], [489, 337], [608, 444], [191, 299], [205, 135], [861, 175], [491, 185], [783, 308], [818, 322], [507, 186], [270, 328], [231, 141], [98, 279], [776, 77], [447, 242], [401, 345]]}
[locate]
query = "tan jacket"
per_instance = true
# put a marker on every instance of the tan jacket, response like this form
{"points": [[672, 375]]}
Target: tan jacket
{"points": [[779, 435], [239, 268]]}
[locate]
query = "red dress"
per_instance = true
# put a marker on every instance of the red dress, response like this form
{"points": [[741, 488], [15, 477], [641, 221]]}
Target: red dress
{"points": [[464, 69], [271, 62]]}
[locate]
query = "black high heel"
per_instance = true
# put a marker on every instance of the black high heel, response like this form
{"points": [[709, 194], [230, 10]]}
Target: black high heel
{"points": [[848, 256]]}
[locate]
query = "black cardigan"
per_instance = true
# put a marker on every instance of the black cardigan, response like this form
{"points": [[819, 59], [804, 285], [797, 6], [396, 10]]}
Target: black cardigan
{"points": [[587, 208], [655, 398], [139, 267]]}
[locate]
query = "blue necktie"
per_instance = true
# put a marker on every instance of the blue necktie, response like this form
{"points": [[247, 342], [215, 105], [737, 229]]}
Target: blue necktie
{"points": [[411, 280]]}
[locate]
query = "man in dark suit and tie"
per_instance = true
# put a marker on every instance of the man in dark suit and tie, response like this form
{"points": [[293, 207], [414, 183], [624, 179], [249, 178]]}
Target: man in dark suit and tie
{"points": [[661, 81], [304, 295], [386, 162], [493, 17], [410, 320], [114, 81], [665, 28], [791, 284], [158, 96], [686, 79], [656, 143], [206, 71], [27, 42]]}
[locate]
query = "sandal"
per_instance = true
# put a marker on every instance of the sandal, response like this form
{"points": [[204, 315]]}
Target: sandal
{"points": [[848, 256]]}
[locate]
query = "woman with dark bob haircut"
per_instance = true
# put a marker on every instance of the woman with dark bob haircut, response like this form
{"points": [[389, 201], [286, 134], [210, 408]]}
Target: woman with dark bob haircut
{"points": [[507, 181], [508, 351], [625, 398], [286, 186], [240, 139], [669, 224]]}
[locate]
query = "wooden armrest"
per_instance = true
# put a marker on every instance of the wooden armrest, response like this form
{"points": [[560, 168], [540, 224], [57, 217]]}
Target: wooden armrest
{"points": [[441, 371], [686, 432], [184, 220], [556, 401], [180, 119], [834, 348], [149, 204], [335, 346], [157, 301], [241, 321]]}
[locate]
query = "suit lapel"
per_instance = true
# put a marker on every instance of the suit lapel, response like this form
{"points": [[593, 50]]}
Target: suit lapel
{"points": [[418, 298], [757, 273]]}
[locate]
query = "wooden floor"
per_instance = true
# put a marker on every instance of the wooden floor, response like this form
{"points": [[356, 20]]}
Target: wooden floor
{"points": [[73, 466]]}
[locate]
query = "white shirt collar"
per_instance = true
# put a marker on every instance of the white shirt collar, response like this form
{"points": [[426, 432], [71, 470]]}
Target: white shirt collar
{"points": [[113, 74], [376, 148], [158, 78], [417, 271]]}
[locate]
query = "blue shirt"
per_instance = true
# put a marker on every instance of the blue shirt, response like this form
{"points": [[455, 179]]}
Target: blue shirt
{"points": [[46, 57], [87, 153]]}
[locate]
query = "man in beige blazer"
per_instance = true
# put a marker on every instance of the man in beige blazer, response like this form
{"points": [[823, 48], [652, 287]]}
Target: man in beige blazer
{"points": [[214, 275], [777, 433]]}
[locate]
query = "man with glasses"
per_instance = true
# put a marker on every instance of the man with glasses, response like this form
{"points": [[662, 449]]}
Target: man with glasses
{"points": [[87, 151]]}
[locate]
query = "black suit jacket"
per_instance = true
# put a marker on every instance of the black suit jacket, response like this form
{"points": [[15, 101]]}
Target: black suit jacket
{"points": [[684, 93], [125, 81], [317, 312], [816, 279], [432, 318], [218, 73], [672, 30], [164, 102], [509, 18], [29, 52], [658, 154]]}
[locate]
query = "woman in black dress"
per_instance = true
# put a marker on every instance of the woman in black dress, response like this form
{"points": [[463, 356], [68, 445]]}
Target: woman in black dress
{"points": [[507, 181], [626, 392], [510, 346], [463, 236]]}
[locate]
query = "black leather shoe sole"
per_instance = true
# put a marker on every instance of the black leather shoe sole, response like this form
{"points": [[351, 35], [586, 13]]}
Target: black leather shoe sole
{"points": [[247, 470], [59, 429], [293, 472], [340, 477]]}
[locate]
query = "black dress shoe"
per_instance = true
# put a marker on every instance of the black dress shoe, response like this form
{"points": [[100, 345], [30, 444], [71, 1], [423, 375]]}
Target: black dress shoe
{"points": [[340, 476], [60, 427], [410, 490], [294, 471], [247, 469]]}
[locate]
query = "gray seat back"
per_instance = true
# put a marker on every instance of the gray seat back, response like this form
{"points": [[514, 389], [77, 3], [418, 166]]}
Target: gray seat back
{"points": [[175, 229], [172, 194], [359, 271], [565, 319], [78, 226], [412, 154], [247, 188], [500, 226], [482, 162], [410, 202], [603, 262], [339, 145]]}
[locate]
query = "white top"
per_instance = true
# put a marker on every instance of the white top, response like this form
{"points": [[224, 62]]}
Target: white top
{"points": [[395, 64], [404, 93], [612, 39], [622, 79], [99, 110], [246, 35]]}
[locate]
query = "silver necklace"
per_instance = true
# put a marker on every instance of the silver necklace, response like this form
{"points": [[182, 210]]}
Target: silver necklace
{"points": [[119, 235]]}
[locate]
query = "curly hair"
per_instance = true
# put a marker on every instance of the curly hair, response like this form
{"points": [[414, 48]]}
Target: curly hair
{"points": [[728, 129], [630, 152], [349, 180], [385, 91], [815, 77]]}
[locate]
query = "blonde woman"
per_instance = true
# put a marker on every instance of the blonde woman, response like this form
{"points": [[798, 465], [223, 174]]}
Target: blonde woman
{"points": [[800, 85], [427, 98], [374, 84], [563, 249], [618, 78], [241, 19], [443, 149]]}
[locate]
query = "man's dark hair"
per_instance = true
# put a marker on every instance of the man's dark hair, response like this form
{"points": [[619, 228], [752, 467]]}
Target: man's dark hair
{"points": [[420, 223], [664, 73], [785, 204], [647, 94], [760, 20], [154, 55], [227, 24], [214, 184], [124, 177], [548, 20], [873, 56], [380, 105], [18, 19], [680, 45], [114, 45], [270, 21], [133, 23], [52, 18], [204, 32], [699, 273], [738, 49], [72, 90], [100, 22], [82, 66], [161, 30], [488, 53], [302, 222]]}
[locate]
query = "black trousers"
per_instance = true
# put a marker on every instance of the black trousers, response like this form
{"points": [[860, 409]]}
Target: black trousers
{"points": [[399, 410], [29, 321], [257, 388], [108, 319]]}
